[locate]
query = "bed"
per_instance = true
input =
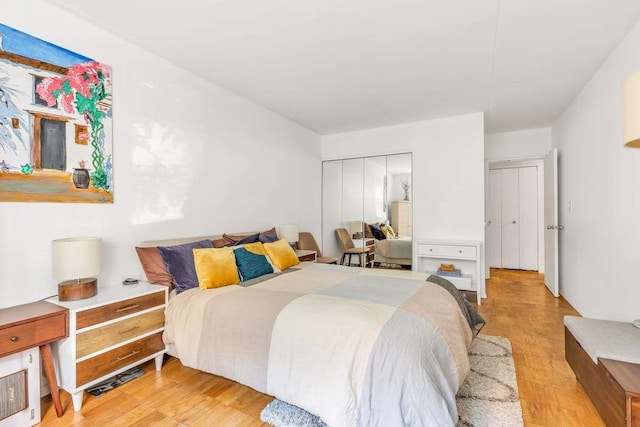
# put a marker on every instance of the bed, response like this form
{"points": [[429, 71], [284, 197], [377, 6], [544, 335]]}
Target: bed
{"points": [[394, 251], [357, 347]]}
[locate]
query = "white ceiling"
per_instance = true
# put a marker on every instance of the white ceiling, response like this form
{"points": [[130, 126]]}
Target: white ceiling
{"points": [[342, 65]]}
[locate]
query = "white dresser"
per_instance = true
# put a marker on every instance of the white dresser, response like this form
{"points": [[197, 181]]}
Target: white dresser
{"points": [[464, 254]]}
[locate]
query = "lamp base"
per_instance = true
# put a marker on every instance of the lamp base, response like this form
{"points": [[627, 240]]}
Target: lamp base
{"points": [[74, 290]]}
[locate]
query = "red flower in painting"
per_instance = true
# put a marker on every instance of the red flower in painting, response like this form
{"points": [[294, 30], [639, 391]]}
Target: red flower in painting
{"points": [[67, 102], [78, 83], [48, 88]]}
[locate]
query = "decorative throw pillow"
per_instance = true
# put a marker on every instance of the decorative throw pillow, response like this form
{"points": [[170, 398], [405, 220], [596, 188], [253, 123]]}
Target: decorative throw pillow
{"points": [[153, 266], [391, 231], [367, 231], [252, 261], [231, 240], [268, 236], [385, 231], [282, 254], [377, 233], [179, 262], [215, 267], [218, 243]]}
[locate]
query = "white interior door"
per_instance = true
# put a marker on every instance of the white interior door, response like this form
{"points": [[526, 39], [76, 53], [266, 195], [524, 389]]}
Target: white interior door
{"points": [[494, 223], [528, 217], [510, 212], [551, 276]]}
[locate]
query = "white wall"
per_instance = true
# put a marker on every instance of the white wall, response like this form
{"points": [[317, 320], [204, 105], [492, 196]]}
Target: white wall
{"points": [[448, 170], [599, 246], [189, 159], [522, 144]]}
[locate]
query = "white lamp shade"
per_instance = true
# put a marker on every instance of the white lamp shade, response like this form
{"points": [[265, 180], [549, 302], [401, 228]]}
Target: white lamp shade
{"points": [[76, 258], [289, 232], [355, 227], [631, 106]]}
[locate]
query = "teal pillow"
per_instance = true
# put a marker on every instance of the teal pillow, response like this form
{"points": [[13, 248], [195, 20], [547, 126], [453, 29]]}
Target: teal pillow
{"points": [[251, 265]]}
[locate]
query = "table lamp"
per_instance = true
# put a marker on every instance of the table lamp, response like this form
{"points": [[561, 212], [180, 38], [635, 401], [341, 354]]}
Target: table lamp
{"points": [[289, 232], [355, 227], [631, 110], [75, 261]]}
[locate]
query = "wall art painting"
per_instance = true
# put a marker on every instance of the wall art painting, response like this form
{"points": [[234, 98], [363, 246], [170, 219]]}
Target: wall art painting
{"points": [[55, 123]]}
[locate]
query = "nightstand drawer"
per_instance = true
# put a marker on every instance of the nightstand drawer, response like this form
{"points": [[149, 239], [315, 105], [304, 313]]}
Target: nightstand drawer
{"points": [[105, 336], [115, 359], [119, 309], [451, 251], [32, 334]]}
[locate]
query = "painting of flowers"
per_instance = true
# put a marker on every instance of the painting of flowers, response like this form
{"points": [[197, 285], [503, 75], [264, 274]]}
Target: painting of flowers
{"points": [[55, 114]]}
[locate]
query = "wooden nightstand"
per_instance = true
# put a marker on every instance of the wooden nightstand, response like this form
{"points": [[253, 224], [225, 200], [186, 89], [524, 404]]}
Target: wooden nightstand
{"points": [[371, 245], [119, 328], [305, 255], [35, 325]]}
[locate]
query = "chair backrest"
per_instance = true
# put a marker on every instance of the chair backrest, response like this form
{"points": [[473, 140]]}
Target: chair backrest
{"points": [[344, 239], [308, 243]]}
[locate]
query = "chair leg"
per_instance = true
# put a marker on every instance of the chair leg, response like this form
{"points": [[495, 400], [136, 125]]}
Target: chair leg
{"points": [[343, 257]]}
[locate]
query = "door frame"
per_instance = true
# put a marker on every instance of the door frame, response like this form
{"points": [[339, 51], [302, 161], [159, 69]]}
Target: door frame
{"points": [[515, 163]]}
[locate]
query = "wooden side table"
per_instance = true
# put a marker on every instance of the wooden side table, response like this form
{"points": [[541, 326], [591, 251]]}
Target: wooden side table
{"points": [[119, 328], [37, 324], [305, 255]]}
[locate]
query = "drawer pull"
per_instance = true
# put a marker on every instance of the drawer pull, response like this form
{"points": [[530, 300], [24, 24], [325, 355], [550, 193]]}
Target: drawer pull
{"points": [[129, 307], [14, 339], [133, 353]]}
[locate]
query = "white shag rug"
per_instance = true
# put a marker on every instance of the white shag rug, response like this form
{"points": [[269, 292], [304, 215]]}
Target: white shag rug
{"points": [[488, 396]]}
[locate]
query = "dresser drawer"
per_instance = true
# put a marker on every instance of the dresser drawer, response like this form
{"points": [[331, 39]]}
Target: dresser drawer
{"points": [[105, 336], [31, 334], [117, 358], [119, 309], [449, 251]]}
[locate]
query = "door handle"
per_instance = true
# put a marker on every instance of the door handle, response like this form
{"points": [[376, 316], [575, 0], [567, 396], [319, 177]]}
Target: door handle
{"points": [[561, 227], [513, 222], [549, 227]]}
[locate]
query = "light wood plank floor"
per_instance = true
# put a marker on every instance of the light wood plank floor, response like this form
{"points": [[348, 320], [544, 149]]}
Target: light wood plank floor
{"points": [[519, 308]]}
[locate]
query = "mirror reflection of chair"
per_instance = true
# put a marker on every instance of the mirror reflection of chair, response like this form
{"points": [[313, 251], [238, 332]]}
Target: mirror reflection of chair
{"points": [[308, 242], [349, 248]]}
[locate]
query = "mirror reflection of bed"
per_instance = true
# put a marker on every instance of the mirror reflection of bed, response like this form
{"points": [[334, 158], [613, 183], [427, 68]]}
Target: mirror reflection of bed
{"points": [[365, 192]]}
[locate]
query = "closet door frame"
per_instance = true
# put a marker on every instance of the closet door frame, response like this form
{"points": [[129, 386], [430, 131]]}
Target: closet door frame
{"points": [[539, 163]]}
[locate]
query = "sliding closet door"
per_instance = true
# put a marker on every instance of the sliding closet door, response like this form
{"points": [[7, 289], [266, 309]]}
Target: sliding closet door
{"points": [[510, 214], [331, 207], [528, 217], [512, 233], [352, 191], [375, 176]]}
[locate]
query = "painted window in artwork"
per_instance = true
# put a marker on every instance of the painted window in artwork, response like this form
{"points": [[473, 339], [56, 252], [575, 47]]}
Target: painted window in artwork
{"points": [[36, 97]]}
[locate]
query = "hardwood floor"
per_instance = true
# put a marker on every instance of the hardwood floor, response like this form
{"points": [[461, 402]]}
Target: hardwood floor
{"points": [[519, 307]]}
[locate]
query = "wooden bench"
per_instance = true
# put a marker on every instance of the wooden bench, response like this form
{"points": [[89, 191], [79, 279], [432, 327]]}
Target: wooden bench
{"points": [[605, 357]]}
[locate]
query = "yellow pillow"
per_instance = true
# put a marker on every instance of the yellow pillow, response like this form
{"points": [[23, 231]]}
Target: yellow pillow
{"points": [[255, 248], [282, 254], [215, 267], [391, 232], [385, 231]]}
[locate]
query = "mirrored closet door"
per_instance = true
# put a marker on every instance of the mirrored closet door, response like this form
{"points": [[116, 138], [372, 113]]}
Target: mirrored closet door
{"points": [[367, 190]]}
